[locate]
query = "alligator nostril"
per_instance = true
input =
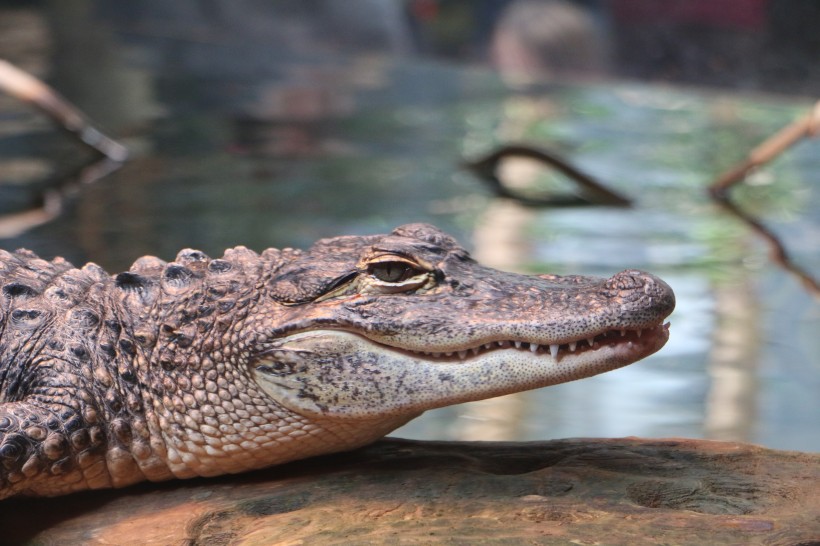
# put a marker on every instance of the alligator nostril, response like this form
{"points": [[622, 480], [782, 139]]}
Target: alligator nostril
{"points": [[633, 285], [630, 279]]}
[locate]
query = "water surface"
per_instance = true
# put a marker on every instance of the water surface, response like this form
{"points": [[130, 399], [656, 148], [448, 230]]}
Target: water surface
{"points": [[234, 144]]}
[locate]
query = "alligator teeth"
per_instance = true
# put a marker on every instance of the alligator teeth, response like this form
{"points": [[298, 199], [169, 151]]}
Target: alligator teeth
{"points": [[554, 348]]}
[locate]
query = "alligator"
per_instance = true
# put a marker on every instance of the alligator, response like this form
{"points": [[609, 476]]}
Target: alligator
{"points": [[203, 367]]}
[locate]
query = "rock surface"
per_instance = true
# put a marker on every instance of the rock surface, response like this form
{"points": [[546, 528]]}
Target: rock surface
{"points": [[577, 491]]}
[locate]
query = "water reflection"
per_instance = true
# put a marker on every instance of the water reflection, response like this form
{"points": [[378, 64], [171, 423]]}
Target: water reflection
{"points": [[244, 138]]}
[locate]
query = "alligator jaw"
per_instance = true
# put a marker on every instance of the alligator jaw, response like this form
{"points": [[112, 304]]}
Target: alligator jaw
{"points": [[633, 341], [343, 375]]}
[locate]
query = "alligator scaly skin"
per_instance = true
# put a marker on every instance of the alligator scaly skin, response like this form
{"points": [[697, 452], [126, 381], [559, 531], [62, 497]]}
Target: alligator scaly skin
{"points": [[202, 366]]}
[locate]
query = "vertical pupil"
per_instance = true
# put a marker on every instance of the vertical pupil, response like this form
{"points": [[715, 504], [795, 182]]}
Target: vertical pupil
{"points": [[392, 271]]}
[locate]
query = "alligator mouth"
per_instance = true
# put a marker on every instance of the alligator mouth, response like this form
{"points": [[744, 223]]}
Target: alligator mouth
{"points": [[633, 340], [335, 372]]}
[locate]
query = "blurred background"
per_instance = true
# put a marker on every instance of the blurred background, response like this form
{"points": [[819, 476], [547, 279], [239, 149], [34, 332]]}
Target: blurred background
{"points": [[276, 123]]}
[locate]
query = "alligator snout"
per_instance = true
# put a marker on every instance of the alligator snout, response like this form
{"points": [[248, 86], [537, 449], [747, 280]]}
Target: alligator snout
{"points": [[632, 284]]}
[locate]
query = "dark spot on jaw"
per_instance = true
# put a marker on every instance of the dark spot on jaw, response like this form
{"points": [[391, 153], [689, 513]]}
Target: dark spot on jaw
{"points": [[84, 318], [445, 377], [80, 352], [127, 347], [168, 329], [114, 326], [108, 350], [274, 368]]}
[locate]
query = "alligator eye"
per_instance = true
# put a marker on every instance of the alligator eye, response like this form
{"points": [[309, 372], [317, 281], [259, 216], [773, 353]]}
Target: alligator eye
{"points": [[393, 272]]}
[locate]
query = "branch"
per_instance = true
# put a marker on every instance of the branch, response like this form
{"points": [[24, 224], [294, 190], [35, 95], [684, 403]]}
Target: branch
{"points": [[27, 88], [593, 192], [806, 127]]}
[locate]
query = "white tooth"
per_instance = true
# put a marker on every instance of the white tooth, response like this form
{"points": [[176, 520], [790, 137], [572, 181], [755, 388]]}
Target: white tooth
{"points": [[488, 345], [462, 355], [475, 350], [554, 350], [534, 347], [517, 344], [623, 332], [448, 354], [638, 332], [572, 346], [591, 341]]}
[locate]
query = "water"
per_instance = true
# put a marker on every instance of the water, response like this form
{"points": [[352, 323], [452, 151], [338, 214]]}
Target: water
{"points": [[235, 143]]}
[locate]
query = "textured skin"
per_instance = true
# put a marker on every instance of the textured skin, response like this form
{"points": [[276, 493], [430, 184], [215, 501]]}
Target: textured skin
{"points": [[203, 366]]}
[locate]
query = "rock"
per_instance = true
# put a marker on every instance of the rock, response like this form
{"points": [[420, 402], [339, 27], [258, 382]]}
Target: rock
{"points": [[577, 491]]}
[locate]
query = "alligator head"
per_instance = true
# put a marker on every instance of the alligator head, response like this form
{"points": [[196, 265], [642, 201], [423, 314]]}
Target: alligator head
{"points": [[395, 325]]}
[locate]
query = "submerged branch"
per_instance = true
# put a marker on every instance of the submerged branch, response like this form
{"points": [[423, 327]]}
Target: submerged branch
{"points": [[52, 200], [592, 192], [806, 127]]}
